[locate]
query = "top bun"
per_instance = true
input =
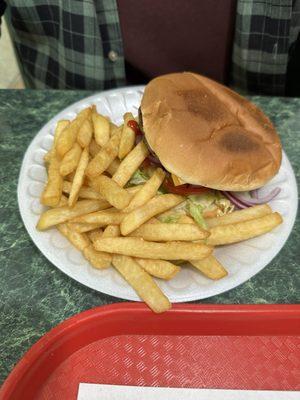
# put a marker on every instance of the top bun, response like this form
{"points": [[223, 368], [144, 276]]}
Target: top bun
{"points": [[208, 135]]}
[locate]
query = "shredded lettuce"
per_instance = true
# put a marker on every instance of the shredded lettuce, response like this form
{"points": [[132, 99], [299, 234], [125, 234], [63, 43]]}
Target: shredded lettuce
{"points": [[196, 212], [213, 200], [138, 178], [168, 219]]}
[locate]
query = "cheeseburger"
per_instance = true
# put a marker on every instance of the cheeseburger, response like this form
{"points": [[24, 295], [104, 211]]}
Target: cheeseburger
{"points": [[212, 142]]}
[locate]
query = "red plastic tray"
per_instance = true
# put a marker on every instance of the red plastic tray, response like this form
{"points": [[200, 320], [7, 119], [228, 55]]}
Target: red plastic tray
{"points": [[205, 346]]}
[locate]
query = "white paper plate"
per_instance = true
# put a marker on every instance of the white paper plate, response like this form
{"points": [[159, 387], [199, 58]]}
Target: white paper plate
{"points": [[242, 260]]}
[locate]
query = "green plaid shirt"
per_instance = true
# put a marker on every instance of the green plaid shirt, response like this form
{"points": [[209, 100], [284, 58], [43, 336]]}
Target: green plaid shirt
{"points": [[77, 44], [68, 44]]}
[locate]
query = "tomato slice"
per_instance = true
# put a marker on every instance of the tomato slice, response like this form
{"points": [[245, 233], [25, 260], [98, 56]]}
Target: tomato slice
{"points": [[185, 189]]}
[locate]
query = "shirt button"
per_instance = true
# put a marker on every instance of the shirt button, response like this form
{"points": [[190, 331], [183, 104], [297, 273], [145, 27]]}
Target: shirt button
{"points": [[113, 56]]}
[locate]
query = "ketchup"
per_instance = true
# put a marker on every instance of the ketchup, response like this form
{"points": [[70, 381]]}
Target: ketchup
{"points": [[135, 127]]}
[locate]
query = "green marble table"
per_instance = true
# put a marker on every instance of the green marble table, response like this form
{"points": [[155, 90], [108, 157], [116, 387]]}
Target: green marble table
{"points": [[35, 295]]}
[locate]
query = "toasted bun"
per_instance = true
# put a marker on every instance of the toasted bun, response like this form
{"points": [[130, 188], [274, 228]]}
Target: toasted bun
{"points": [[208, 135]]}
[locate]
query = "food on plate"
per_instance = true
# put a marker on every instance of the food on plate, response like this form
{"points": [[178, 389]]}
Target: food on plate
{"points": [[159, 268], [137, 247], [142, 283], [164, 232], [101, 128], [233, 233], [240, 215], [113, 193], [130, 164], [207, 135], [210, 267], [165, 188], [156, 205], [127, 137]]}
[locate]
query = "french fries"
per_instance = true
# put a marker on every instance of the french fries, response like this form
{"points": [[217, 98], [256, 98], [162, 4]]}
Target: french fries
{"points": [[105, 157], [85, 192], [127, 137], [113, 193], [137, 247], [60, 126], [159, 268], [101, 129], [233, 233], [101, 218], [142, 283], [112, 168], [85, 133], [78, 178], [210, 267], [142, 214], [77, 227], [70, 161], [130, 164], [79, 240], [98, 259], [161, 232], [148, 191], [68, 136], [59, 215], [136, 230], [240, 215], [95, 234], [53, 190]]}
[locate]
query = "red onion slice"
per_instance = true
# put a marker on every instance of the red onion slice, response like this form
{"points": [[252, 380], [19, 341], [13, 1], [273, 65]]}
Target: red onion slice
{"points": [[234, 200], [254, 194], [241, 200]]}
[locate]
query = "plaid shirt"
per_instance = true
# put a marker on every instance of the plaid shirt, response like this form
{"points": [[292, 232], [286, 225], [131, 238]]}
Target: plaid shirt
{"points": [[265, 32], [78, 45]]}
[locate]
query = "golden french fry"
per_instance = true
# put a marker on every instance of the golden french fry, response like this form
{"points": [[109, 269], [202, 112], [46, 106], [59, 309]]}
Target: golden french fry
{"points": [[185, 219], [159, 268], [240, 215], [148, 191], [101, 129], [78, 178], [85, 192], [94, 184], [60, 126], [112, 168], [244, 230], [59, 215], [210, 267], [113, 193], [81, 228], [63, 201], [127, 137], [104, 158], [98, 259], [79, 240], [111, 231], [103, 218], [68, 136], [142, 283], [53, 190], [94, 148], [130, 164], [160, 232], [137, 247], [95, 234], [85, 133], [142, 214], [70, 161]]}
